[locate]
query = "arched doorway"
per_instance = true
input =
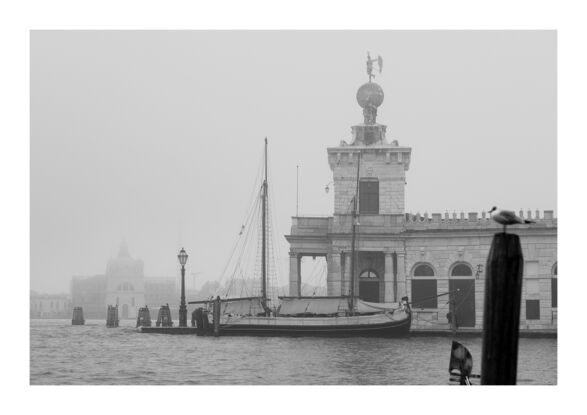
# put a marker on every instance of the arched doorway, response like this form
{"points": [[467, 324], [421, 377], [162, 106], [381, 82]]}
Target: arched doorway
{"points": [[125, 311], [369, 286], [462, 288]]}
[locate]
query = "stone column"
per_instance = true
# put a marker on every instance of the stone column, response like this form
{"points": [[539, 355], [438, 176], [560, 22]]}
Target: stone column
{"points": [[294, 274], [388, 278], [401, 275], [334, 276]]}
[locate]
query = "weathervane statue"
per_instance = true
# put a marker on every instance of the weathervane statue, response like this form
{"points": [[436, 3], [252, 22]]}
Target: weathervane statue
{"points": [[370, 61], [370, 94]]}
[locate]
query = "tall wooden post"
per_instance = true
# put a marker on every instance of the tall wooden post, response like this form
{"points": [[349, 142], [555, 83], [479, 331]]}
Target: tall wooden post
{"points": [[501, 318], [216, 316]]}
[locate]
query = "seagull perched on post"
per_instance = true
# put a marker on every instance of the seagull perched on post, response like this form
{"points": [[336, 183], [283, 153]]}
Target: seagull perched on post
{"points": [[507, 217]]}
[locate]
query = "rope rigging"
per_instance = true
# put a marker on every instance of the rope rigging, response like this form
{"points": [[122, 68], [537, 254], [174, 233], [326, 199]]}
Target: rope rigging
{"points": [[241, 275]]}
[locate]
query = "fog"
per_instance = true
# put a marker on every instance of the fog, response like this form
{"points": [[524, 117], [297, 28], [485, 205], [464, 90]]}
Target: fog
{"points": [[156, 137]]}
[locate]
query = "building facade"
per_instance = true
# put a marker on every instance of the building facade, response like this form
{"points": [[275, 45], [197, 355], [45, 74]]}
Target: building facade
{"points": [[436, 260], [125, 284], [50, 306]]}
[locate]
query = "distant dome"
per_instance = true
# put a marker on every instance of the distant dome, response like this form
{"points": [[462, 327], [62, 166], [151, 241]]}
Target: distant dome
{"points": [[124, 264], [370, 93]]}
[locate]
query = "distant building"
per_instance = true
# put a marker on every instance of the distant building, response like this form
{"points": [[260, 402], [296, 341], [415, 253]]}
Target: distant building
{"points": [[424, 257], [124, 284], [50, 305]]}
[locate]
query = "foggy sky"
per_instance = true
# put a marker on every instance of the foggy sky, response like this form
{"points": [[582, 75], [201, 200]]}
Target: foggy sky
{"points": [[155, 137]]}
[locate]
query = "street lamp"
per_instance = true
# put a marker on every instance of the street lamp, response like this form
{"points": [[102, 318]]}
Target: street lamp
{"points": [[327, 188], [183, 311]]}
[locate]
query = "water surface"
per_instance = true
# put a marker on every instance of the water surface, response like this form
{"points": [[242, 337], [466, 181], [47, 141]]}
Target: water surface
{"points": [[62, 354]]}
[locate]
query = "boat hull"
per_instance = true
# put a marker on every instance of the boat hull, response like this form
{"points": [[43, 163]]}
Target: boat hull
{"points": [[337, 327]]}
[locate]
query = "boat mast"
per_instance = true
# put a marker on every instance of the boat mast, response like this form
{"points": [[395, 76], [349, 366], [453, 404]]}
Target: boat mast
{"points": [[263, 256], [352, 299]]}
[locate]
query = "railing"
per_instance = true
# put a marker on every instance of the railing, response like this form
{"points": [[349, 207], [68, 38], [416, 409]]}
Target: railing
{"points": [[375, 223]]}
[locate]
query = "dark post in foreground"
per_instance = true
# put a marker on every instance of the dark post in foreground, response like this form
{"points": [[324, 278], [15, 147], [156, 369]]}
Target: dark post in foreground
{"points": [[501, 317], [183, 311]]}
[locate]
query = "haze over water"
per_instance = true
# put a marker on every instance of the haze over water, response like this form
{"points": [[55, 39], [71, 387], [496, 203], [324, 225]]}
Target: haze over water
{"points": [[62, 354]]}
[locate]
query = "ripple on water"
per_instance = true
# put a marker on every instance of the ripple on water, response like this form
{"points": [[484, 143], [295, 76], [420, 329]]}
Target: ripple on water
{"points": [[93, 354]]}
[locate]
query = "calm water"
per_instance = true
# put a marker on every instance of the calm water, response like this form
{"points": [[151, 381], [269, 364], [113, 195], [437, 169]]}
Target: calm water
{"points": [[92, 354]]}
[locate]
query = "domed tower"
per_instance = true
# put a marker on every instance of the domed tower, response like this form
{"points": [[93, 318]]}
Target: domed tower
{"points": [[373, 169], [383, 164], [125, 283], [370, 97]]}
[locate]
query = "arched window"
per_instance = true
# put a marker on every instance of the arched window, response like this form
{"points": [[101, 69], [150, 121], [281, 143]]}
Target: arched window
{"points": [[423, 270], [424, 287], [368, 273], [461, 270], [554, 286]]}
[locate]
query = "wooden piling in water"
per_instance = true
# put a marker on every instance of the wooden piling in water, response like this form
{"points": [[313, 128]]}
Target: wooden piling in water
{"points": [[216, 316], [197, 321], [164, 317], [205, 322], [78, 317], [144, 317], [112, 316], [501, 318]]}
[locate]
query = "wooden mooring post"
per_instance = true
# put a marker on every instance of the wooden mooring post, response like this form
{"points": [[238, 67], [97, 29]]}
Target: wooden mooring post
{"points": [[164, 317], [200, 321], [501, 318], [216, 316], [144, 317], [78, 317], [112, 316]]}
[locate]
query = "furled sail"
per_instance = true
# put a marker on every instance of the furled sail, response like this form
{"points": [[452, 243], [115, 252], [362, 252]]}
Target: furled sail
{"points": [[318, 306], [243, 307], [364, 307], [330, 306]]}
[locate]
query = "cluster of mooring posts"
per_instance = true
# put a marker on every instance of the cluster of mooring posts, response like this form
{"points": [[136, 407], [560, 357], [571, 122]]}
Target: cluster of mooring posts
{"points": [[112, 316], [78, 317], [501, 318], [164, 317], [144, 317], [200, 322]]}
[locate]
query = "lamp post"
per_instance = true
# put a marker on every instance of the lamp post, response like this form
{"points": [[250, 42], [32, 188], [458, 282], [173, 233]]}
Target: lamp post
{"points": [[327, 188], [183, 311]]}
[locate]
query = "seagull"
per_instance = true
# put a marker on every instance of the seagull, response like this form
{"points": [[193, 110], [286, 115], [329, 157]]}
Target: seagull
{"points": [[507, 217]]}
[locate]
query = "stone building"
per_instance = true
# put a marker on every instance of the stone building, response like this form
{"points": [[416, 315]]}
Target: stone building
{"points": [[437, 260], [125, 284], [50, 305]]}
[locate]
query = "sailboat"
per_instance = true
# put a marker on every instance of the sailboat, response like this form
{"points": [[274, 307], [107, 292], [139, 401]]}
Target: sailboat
{"points": [[332, 316]]}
